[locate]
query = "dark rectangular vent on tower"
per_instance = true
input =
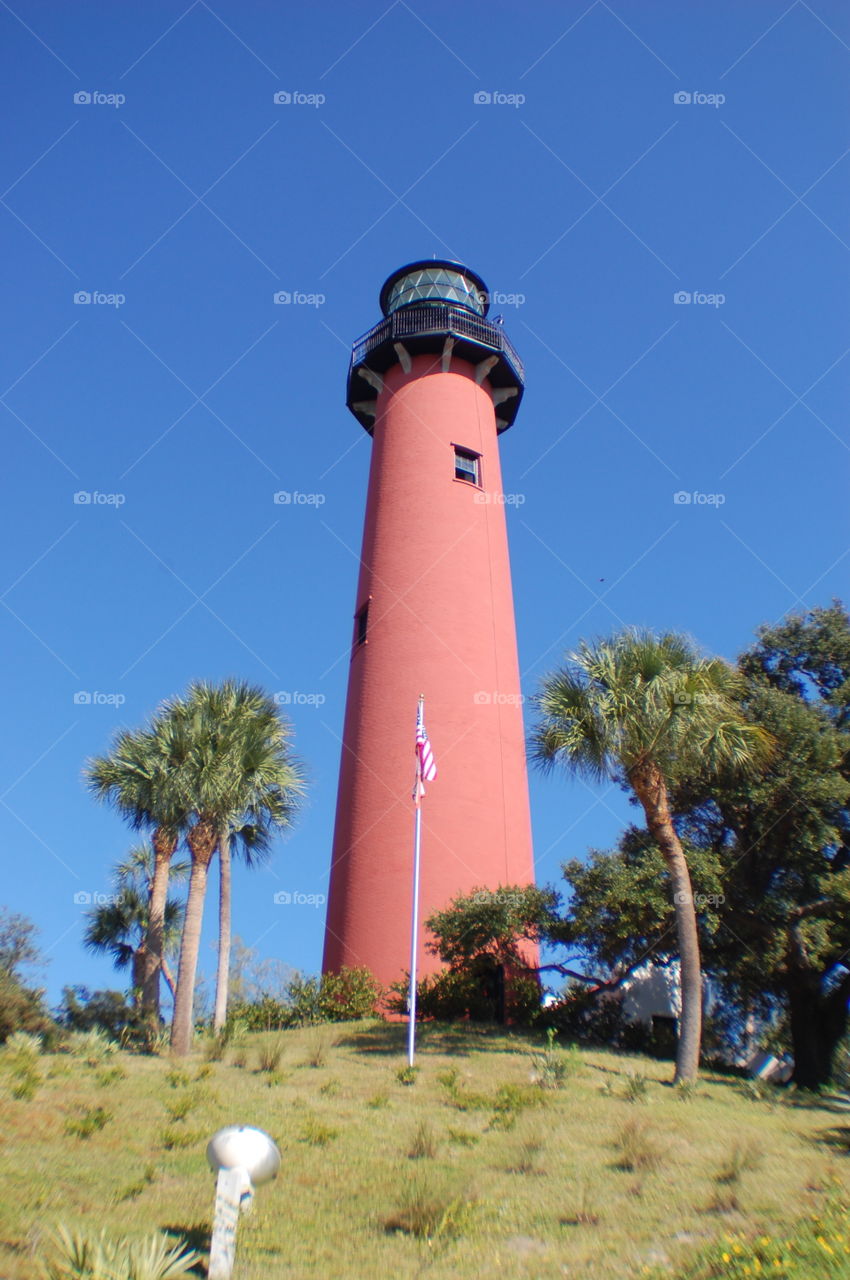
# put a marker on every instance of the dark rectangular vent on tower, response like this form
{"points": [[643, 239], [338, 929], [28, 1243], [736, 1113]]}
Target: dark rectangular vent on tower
{"points": [[361, 625]]}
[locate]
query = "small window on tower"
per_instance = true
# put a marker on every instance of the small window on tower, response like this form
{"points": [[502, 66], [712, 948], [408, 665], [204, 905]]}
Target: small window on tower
{"points": [[361, 623], [467, 466]]}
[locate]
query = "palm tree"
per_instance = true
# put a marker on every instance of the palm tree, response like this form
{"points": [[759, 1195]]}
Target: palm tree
{"points": [[137, 777], [242, 782], [252, 842], [120, 927], [649, 711]]}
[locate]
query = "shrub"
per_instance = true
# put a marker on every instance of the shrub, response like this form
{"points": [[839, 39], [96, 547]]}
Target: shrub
{"points": [[591, 1018], [22, 1008], [22, 1046], [109, 1012], [457, 994], [265, 1014], [93, 1046], [348, 995], [552, 1067], [76, 1256]]}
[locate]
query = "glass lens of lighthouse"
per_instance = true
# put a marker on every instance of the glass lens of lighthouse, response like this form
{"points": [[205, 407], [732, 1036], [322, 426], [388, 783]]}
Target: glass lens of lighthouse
{"points": [[435, 284]]}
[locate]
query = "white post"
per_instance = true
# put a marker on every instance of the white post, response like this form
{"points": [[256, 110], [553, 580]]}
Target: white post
{"points": [[228, 1191], [417, 835], [414, 924]]}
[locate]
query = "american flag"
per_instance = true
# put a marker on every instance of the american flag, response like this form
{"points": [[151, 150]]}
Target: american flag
{"points": [[427, 767]]}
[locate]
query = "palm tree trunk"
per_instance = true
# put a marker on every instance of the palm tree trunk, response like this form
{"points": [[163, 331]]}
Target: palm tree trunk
{"points": [[202, 841], [169, 977], [138, 969], [163, 850], [224, 908], [651, 790]]}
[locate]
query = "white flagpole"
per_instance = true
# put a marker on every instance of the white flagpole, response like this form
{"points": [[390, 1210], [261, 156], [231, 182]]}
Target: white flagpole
{"points": [[414, 928]]}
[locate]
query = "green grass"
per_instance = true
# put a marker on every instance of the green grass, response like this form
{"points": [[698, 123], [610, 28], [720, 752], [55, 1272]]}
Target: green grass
{"points": [[476, 1170]]}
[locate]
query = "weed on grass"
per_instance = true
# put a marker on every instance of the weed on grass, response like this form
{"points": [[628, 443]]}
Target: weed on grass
{"points": [[176, 1078], [527, 1157], [21, 1057], [407, 1075], [378, 1100], [110, 1075], [431, 1210], [553, 1066], [316, 1133], [270, 1056], [743, 1158], [330, 1088], [425, 1144], [319, 1045], [585, 1214], [175, 1137], [636, 1087], [134, 1189], [180, 1107], [638, 1148], [90, 1121], [463, 1137]]}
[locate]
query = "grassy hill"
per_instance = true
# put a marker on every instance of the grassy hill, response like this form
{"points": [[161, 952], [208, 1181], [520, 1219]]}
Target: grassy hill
{"points": [[474, 1169]]}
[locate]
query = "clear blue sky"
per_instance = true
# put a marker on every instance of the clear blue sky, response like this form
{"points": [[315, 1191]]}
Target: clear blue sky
{"points": [[596, 199]]}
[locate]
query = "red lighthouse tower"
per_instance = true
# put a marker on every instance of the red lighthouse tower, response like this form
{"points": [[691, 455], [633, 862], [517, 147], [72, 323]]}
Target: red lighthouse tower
{"points": [[434, 383]]}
